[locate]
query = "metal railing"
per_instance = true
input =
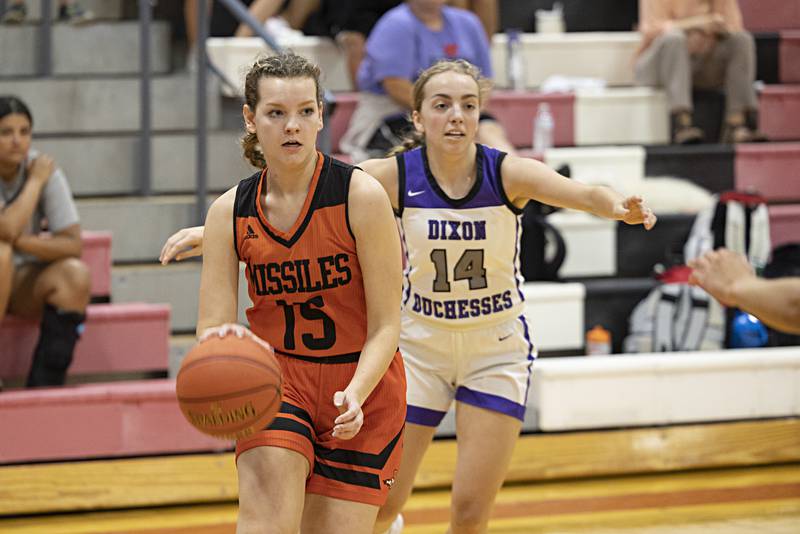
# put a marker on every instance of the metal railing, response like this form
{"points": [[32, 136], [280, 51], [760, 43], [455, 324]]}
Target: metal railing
{"points": [[203, 68]]}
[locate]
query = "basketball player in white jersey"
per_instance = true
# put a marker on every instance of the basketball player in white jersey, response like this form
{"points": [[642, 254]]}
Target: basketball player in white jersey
{"points": [[463, 333]]}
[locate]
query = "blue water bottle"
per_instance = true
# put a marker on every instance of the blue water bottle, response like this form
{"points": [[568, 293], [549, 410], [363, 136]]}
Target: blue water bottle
{"points": [[747, 331]]}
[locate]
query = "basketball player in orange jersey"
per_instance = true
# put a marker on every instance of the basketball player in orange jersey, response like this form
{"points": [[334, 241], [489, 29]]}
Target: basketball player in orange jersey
{"points": [[464, 335], [323, 261]]}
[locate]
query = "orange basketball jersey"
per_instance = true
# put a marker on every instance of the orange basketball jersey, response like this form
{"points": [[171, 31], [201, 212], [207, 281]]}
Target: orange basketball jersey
{"points": [[305, 284]]}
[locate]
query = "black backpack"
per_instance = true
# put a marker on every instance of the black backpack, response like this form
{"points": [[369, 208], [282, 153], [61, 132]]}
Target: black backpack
{"points": [[538, 261]]}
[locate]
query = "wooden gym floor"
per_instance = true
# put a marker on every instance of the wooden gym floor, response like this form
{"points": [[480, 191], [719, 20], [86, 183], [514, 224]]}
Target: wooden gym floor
{"points": [[731, 501]]}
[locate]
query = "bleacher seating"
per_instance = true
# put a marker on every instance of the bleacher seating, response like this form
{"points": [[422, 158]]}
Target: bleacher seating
{"points": [[98, 420], [118, 338], [96, 255]]}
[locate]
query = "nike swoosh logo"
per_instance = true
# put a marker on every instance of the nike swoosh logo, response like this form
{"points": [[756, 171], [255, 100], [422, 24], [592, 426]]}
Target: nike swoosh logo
{"points": [[415, 193], [504, 337]]}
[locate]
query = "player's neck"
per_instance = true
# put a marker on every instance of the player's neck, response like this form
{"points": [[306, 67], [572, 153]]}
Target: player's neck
{"points": [[452, 169], [290, 180]]}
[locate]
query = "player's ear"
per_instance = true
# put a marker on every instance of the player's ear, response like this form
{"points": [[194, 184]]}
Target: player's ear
{"points": [[417, 120], [249, 119]]}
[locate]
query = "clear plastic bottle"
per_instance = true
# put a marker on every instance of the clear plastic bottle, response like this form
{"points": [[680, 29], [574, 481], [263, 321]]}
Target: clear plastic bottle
{"points": [[543, 126], [515, 67], [598, 341]]}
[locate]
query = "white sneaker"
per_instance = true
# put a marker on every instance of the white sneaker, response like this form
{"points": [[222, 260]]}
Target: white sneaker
{"points": [[397, 525]]}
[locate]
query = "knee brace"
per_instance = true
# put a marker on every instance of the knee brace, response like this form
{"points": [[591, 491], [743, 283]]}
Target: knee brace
{"points": [[60, 330]]}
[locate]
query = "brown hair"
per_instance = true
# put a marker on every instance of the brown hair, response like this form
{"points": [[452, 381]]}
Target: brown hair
{"points": [[459, 66], [284, 65]]}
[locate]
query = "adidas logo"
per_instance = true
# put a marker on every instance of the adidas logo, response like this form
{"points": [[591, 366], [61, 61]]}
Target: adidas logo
{"points": [[250, 233]]}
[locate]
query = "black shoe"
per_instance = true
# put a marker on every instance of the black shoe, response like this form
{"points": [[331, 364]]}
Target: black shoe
{"points": [[683, 131]]}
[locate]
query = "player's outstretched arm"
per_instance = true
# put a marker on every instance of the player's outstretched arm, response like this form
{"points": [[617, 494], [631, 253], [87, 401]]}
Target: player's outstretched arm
{"points": [[219, 281], [185, 243], [378, 248], [527, 179], [729, 278]]}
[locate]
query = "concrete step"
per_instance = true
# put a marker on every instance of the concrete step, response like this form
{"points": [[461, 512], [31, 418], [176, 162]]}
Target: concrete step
{"points": [[111, 105], [103, 48], [636, 115], [607, 56], [103, 165], [138, 418], [102, 9], [176, 284], [140, 225], [118, 338]]}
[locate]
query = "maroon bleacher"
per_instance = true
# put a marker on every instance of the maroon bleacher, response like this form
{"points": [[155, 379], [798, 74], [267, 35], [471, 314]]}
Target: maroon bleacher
{"points": [[770, 15], [97, 256], [789, 56], [516, 111], [97, 420], [779, 112], [769, 168], [784, 224], [128, 337]]}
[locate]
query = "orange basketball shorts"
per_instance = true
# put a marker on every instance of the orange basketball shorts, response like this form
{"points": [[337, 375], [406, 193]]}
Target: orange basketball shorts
{"points": [[361, 469]]}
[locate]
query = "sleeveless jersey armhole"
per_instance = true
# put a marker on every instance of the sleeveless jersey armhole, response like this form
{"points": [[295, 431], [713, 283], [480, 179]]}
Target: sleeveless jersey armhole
{"points": [[234, 211], [348, 181], [501, 187], [401, 184]]}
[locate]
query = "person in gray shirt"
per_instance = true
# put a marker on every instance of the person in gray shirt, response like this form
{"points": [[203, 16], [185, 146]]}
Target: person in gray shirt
{"points": [[41, 275]]}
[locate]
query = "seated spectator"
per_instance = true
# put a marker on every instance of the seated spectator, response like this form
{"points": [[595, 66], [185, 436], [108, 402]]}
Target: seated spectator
{"points": [[701, 44], [41, 276], [68, 11], [405, 41], [729, 278]]}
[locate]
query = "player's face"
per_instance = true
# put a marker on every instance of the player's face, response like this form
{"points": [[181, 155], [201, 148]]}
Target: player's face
{"points": [[286, 119], [450, 112], [15, 139]]}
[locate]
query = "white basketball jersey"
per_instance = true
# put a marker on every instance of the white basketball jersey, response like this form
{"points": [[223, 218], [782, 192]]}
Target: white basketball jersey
{"points": [[462, 255]]}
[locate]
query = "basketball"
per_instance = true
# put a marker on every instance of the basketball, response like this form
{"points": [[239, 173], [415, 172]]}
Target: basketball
{"points": [[228, 387]]}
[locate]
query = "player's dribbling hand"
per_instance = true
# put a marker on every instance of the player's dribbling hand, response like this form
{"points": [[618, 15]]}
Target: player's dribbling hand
{"points": [[232, 328], [185, 243], [350, 417], [633, 210]]}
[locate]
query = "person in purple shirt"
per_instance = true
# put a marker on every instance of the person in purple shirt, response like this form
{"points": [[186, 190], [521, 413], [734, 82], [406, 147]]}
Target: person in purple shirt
{"points": [[407, 40]]}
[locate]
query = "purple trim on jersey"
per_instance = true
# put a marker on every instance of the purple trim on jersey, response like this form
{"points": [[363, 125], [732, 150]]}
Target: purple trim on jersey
{"points": [[491, 402], [531, 357], [516, 254], [407, 268], [423, 416], [422, 191]]}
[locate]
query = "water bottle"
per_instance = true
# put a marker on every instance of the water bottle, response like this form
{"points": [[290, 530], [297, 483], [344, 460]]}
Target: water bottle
{"points": [[747, 331], [598, 341], [543, 126], [516, 74]]}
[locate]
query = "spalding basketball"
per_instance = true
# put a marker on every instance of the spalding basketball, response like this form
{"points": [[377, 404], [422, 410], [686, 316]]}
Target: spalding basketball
{"points": [[229, 387]]}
